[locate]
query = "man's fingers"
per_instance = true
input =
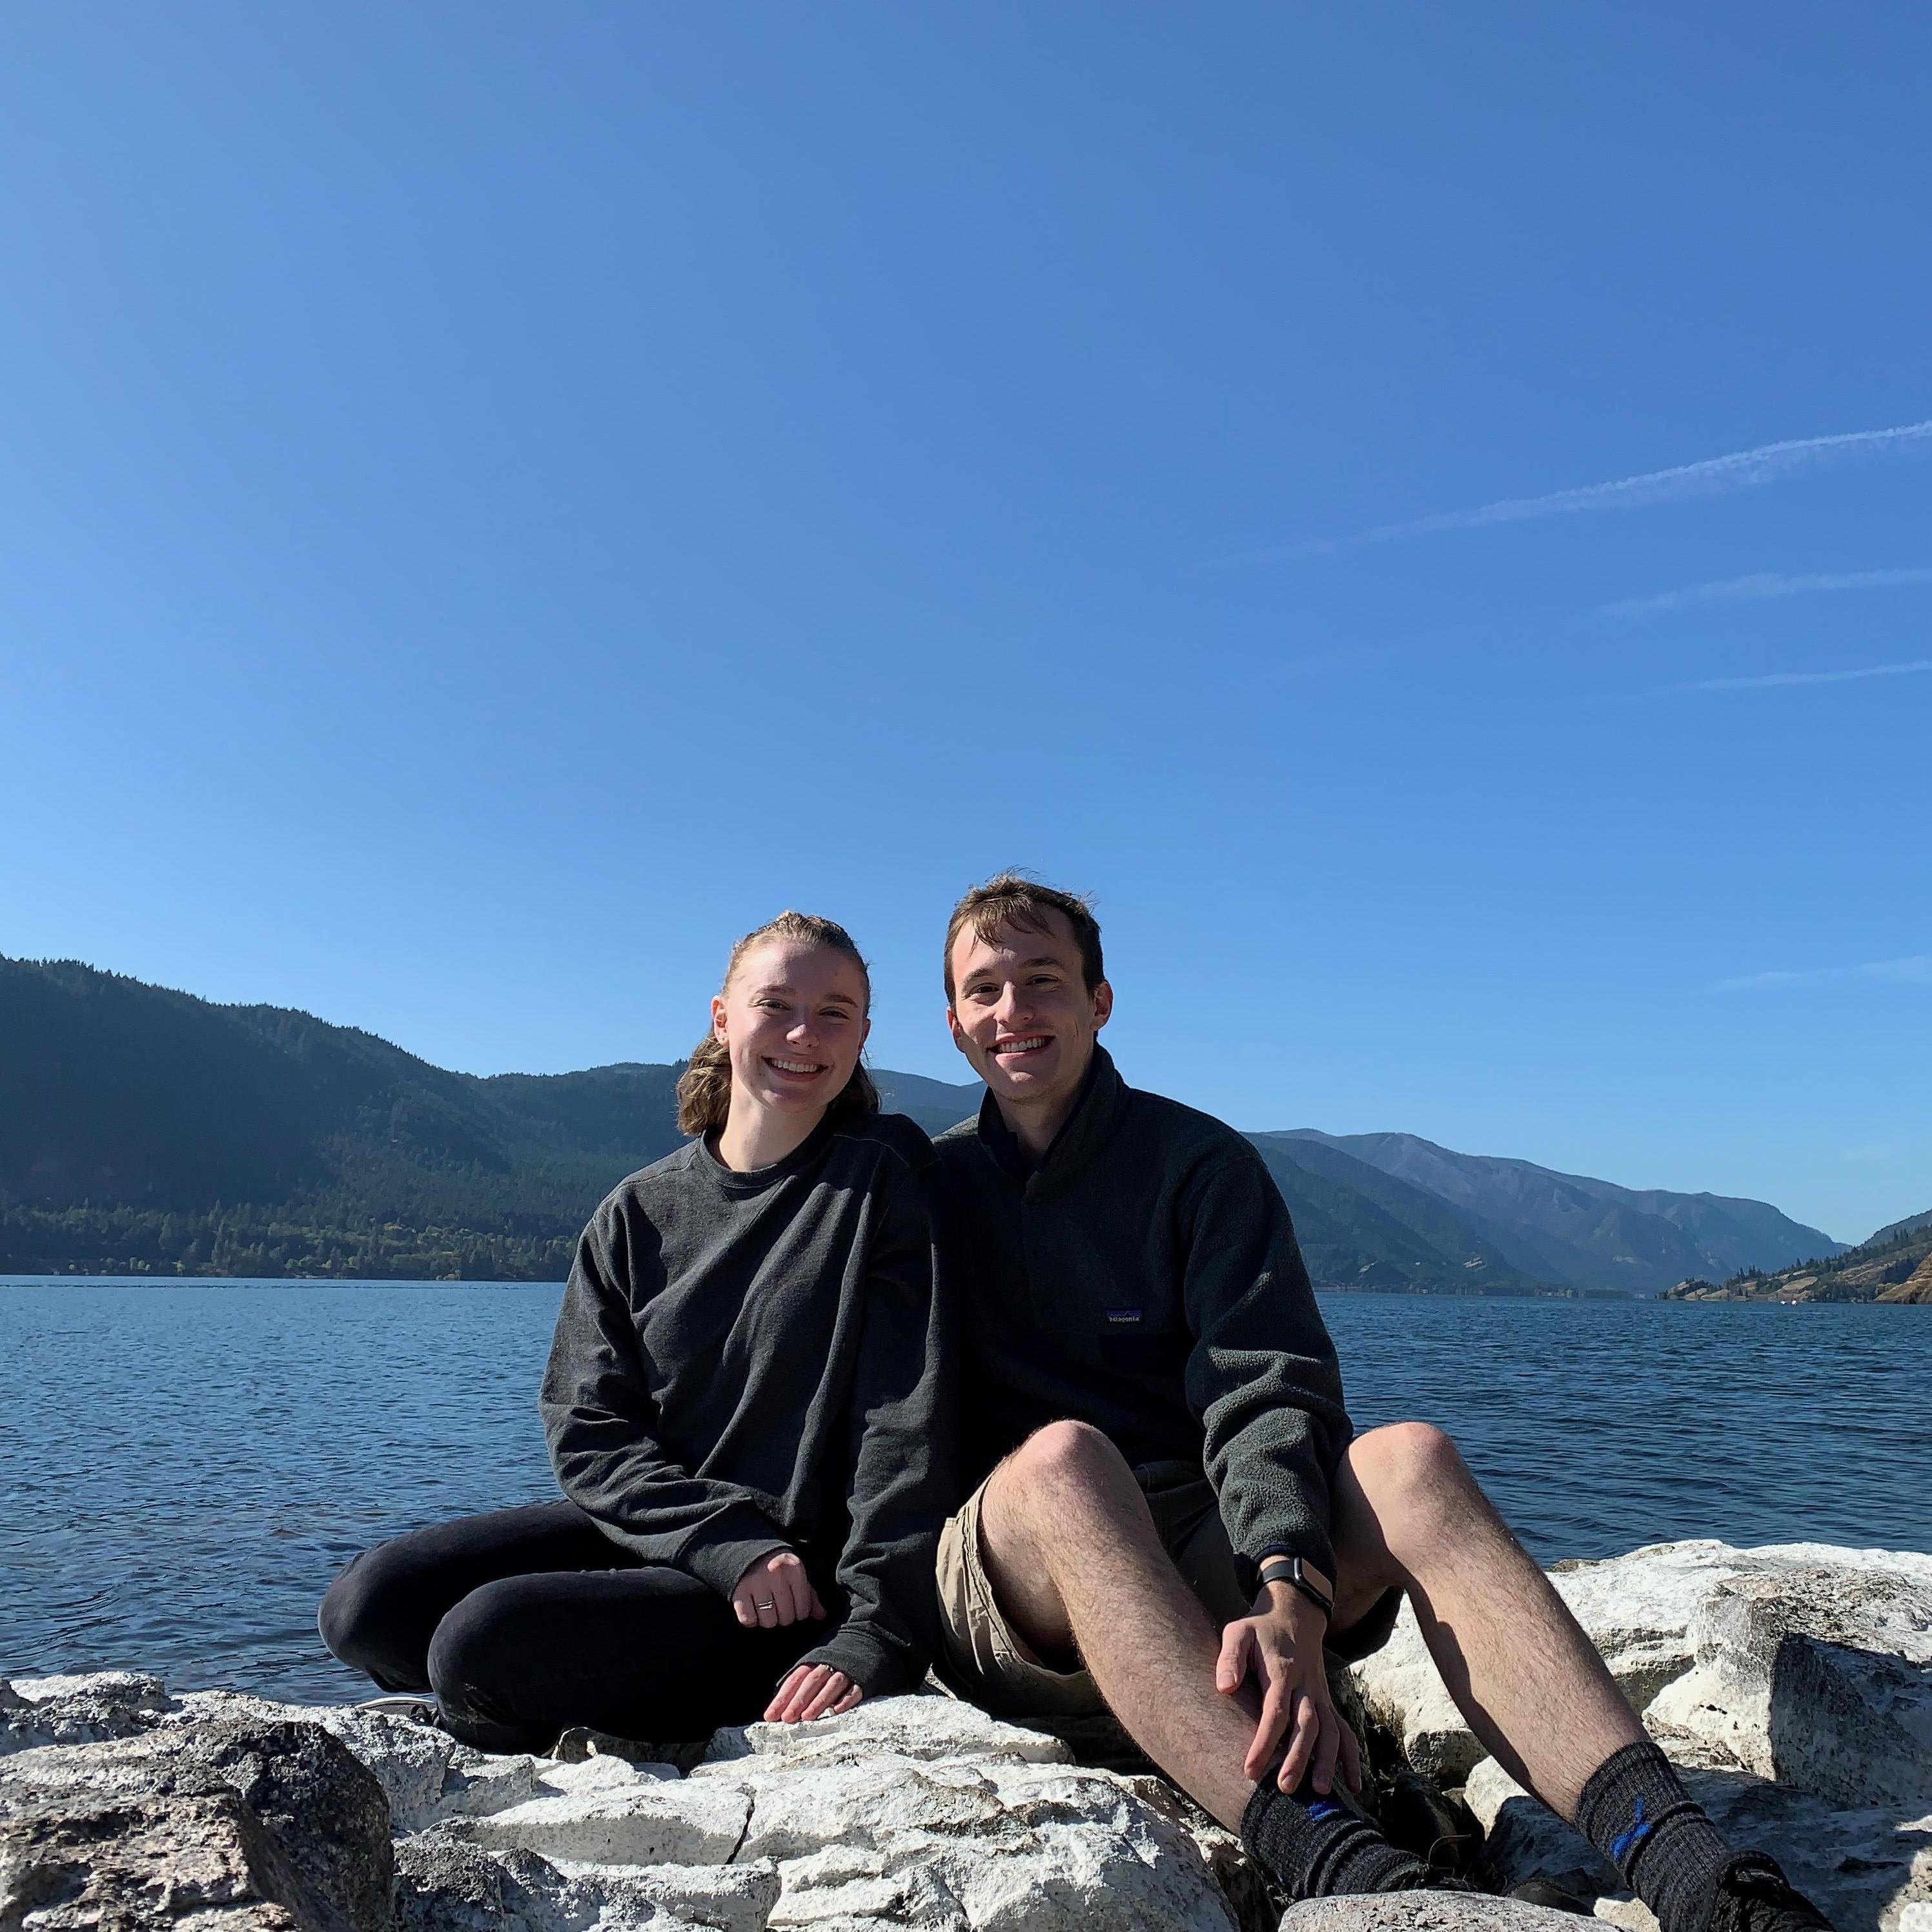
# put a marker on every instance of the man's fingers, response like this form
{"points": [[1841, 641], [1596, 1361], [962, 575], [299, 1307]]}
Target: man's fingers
{"points": [[1326, 1745], [1301, 1745], [1352, 1758], [1267, 1732], [1233, 1665]]}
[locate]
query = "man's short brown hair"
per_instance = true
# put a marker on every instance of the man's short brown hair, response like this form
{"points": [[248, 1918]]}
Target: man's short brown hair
{"points": [[1013, 899]]}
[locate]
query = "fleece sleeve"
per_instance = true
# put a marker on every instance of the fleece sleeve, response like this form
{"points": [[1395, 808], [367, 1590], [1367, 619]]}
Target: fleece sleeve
{"points": [[1262, 1376], [904, 1429], [598, 1416]]}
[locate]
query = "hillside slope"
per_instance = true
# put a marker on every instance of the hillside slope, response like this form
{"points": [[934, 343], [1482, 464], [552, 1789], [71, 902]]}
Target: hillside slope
{"points": [[1585, 1233], [1895, 1265]]}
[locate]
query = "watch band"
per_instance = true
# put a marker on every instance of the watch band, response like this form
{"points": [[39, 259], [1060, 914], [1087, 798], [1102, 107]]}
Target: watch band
{"points": [[1292, 1571]]}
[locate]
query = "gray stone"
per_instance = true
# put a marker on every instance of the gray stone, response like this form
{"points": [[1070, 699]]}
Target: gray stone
{"points": [[37, 1710], [242, 1818], [1424, 1912], [640, 1823]]}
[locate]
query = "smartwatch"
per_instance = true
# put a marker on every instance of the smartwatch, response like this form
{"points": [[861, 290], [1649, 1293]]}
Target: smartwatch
{"points": [[1298, 1575]]}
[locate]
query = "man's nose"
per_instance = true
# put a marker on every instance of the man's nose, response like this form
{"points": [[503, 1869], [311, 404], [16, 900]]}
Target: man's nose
{"points": [[1012, 1003]]}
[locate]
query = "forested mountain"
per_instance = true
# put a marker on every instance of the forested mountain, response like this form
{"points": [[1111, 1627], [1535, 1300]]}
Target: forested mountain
{"points": [[1895, 1265], [1587, 1234], [143, 1130]]}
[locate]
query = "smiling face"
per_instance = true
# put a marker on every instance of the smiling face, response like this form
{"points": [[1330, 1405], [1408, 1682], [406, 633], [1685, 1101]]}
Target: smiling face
{"points": [[1022, 1014], [792, 1019]]}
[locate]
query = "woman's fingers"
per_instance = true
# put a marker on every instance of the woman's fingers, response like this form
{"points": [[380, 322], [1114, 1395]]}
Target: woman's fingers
{"points": [[849, 1702], [775, 1710], [803, 1687], [829, 1696], [766, 1605], [743, 1608], [817, 1608]]}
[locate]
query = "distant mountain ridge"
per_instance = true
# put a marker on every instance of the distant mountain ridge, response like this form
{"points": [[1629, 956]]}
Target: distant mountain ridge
{"points": [[145, 1130], [1585, 1233]]}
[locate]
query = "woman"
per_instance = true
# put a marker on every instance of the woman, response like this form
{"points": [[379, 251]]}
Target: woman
{"points": [[747, 1409]]}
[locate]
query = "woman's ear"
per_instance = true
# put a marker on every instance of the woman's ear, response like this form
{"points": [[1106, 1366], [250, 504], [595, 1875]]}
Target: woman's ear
{"points": [[864, 1033], [718, 1029]]}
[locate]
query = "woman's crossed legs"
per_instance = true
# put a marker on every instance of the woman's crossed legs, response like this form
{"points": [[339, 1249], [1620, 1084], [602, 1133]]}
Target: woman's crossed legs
{"points": [[525, 1621]]}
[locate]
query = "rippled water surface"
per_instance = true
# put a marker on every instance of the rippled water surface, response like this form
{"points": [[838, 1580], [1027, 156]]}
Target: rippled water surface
{"points": [[184, 1466]]}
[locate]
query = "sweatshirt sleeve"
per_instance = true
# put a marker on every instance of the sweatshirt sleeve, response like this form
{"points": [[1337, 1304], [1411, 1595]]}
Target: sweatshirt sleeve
{"points": [[903, 1427], [1262, 1375], [599, 1418]]}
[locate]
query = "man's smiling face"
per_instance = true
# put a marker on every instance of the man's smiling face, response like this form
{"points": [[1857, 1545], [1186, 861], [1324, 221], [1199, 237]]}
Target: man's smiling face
{"points": [[1022, 1014]]}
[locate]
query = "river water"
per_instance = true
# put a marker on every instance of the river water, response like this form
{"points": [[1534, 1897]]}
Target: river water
{"points": [[184, 1465]]}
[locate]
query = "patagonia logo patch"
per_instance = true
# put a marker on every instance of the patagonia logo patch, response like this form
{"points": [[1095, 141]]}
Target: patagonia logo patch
{"points": [[1122, 1318]]}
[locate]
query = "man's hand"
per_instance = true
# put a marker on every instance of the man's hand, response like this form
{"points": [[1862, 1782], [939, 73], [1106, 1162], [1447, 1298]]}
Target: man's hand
{"points": [[811, 1690], [1282, 1644], [774, 1591]]}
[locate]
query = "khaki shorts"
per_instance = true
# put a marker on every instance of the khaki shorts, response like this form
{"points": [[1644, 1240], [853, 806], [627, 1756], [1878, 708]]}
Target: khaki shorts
{"points": [[983, 1659]]}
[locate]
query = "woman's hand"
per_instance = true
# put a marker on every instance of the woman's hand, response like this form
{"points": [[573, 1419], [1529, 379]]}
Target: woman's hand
{"points": [[774, 1591], [812, 1690]]}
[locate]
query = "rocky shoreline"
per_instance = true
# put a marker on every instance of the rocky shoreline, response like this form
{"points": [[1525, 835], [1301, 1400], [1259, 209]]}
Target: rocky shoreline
{"points": [[1792, 1684]]}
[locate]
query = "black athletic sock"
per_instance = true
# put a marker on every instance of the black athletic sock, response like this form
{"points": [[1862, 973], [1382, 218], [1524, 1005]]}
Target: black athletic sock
{"points": [[1317, 1847], [1637, 1812]]}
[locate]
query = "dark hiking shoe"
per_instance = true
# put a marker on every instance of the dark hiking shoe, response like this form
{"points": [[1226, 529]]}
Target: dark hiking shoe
{"points": [[411, 1710], [1546, 1892], [1751, 1894]]}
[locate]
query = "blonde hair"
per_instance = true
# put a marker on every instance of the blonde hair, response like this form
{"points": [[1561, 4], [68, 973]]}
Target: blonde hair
{"points": [[704, 1087]]}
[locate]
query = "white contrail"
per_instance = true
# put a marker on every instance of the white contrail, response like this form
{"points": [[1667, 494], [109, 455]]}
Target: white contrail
{"points": [[1777, 677], [1742, 469], [1764, 583], [1915, 971]]}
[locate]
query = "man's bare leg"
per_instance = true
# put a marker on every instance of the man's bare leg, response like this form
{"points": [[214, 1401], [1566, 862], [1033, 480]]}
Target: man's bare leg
{"points": [[1073, 1555], [1406, 1513]]}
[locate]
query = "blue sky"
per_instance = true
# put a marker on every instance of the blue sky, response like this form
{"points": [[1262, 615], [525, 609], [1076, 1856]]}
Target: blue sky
{"points": [[496, 501]]}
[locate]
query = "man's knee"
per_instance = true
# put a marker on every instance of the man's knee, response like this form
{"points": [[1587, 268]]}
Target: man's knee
{"points": [[1067, 1459], [1415, 1479]]}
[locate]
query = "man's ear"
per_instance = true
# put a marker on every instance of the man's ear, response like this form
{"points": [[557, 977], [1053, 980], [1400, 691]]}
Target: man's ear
{"points": [[1103, 1005], [717, 1032], [953, 1026]]}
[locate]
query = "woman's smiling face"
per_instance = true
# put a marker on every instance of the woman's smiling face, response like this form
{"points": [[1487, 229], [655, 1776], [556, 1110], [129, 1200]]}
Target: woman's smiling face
{"points": [[792, 1020]]}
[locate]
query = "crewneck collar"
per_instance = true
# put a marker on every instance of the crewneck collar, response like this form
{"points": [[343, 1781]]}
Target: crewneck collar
{"points": [[756, 1179], [1081, 1135]]}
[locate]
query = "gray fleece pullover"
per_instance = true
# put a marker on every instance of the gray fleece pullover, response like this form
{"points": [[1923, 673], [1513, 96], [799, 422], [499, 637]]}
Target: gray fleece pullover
{"points": [[1145, 1278]]}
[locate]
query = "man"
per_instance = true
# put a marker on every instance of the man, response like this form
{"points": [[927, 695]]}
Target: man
{"points": [[1175, 1520]]}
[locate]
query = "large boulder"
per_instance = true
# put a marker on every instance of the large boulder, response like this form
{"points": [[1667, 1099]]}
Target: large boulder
{"points": [[275, 1825]]}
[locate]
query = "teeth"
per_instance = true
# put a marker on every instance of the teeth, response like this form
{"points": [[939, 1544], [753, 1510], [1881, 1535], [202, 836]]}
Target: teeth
{"points": [[1030, 1045], [796, 1067]]}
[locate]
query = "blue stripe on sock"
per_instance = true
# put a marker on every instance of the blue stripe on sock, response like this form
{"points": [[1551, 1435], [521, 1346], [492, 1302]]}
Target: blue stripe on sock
{"points": [[1626, 1843]]}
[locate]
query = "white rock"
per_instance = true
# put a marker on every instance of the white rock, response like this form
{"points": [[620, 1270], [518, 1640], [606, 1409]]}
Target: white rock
{"points": [[1654, 1615], [647, 1823], [1814, 1669], [923, 1726], [1864, 1868]]}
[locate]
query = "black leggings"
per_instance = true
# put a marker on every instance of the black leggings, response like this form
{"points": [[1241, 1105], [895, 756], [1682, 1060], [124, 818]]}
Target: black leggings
{"points": [[524, 1622]]}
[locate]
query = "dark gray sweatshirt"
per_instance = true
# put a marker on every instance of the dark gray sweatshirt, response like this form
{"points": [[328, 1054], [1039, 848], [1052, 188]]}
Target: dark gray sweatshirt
{"points": [[749, 1362], [1145, 1278]]}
